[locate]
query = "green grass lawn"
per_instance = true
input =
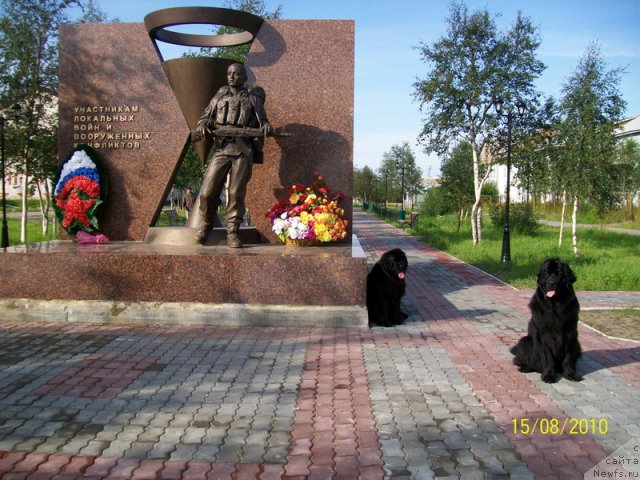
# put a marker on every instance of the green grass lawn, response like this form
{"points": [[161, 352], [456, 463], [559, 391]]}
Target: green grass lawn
{"points": [[34, 232], [607, 261]]}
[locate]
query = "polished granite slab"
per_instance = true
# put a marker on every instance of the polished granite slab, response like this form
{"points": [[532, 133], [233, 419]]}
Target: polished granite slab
{"points": [[264, 274]]}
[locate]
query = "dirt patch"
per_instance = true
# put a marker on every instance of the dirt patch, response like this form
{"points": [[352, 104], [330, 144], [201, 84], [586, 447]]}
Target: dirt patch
{"points": [[617, 323]]}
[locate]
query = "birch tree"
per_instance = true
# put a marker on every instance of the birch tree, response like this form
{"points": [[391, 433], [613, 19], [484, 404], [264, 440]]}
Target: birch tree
{"points": [[467, 69], [591, 106]]}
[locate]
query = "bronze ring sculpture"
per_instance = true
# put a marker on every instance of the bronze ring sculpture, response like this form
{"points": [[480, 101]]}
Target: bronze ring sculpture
{"points": [[157, 22]]}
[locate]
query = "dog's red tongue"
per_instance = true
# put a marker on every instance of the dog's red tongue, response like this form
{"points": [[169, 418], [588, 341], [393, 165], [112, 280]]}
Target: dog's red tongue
{"points": [[401, 275], [551, 293]]}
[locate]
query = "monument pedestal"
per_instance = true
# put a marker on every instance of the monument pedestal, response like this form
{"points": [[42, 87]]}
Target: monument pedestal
{"points": [[134, 282]]}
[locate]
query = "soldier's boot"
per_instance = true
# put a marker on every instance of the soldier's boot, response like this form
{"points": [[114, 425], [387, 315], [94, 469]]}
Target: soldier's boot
{"points": [[202, 233], [233, 240]]}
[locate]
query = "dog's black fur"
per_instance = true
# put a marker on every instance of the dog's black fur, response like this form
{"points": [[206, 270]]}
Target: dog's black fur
{"points": [[551, 346], [385, 288]]}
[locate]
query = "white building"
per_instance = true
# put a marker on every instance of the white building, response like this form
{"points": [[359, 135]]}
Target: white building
{"points": [[13, 185], [629, 129]]}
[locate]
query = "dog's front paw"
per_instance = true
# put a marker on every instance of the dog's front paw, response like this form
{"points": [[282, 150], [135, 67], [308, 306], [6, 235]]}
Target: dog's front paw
{"points": [[573, 376], [549, 377]]}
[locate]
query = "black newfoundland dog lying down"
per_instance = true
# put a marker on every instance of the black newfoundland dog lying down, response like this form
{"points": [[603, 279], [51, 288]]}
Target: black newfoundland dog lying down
{"points": [[385, 288], [551, 346]]}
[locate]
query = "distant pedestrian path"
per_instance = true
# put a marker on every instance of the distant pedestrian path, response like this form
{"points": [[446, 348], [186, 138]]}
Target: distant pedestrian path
{"points": [[628, 231]]}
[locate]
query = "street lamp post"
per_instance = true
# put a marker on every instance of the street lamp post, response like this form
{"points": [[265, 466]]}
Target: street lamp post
{"points": [[506, 234], [16, 108], [376, 200], [401, 167], [386, 191]]}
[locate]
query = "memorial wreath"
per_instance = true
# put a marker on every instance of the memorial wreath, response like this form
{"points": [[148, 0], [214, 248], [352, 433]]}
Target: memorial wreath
{"points": [[80, 190]]}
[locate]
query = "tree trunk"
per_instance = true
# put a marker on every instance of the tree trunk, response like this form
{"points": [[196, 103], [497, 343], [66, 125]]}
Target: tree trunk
{"points": [[630, 215], [477, 185], [480, 222], [475, 227], [24, 215], [574, 228], [44, 205], [564, 207]]}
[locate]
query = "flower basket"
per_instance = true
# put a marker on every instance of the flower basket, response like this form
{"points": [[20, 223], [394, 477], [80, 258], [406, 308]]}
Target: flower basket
{"points": [[310, 216], [301, 243], [80, 190]]}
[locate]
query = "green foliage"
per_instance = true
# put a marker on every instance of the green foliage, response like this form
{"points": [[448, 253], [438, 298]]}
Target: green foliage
{"points": [[467, 69], [522, 218], [490, 189], [470, 66], [238, 53], [456, 176], [92, 13], [436, 203], [366, 185], [29, 77], [534, 150], [191, 171], [399, 169]]}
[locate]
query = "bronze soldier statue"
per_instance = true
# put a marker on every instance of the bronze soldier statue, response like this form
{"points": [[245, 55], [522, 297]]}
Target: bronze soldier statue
{"points": [[237, 119]]}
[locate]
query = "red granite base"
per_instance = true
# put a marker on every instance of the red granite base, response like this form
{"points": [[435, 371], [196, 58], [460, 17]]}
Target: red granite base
{"points": [[138, 272]]}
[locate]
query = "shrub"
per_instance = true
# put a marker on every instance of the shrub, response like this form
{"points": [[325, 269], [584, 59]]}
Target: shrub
{"points": [[522, 218], [435, 203]]}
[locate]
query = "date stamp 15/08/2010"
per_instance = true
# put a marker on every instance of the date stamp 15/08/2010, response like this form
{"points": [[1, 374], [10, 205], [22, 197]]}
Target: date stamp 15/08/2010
{"points": [[560, 426]]}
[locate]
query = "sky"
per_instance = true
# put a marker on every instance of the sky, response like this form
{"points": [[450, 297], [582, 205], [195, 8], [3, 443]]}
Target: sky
{"points": [[387, 62]]}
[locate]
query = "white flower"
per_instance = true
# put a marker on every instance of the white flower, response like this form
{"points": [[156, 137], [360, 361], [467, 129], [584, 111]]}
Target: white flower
{"points": [[296, 229], [278, 226], [79, 159]]}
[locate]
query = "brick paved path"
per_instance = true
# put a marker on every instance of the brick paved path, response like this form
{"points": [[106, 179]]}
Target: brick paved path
{"points": [[435, 398]]}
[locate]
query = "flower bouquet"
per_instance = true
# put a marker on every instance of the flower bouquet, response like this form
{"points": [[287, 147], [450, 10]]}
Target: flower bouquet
{"points": [[309, 216], [80, 190]]}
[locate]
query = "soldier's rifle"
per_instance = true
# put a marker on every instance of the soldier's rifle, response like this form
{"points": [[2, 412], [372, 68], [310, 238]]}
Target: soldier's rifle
{"points": [[245, 132]]}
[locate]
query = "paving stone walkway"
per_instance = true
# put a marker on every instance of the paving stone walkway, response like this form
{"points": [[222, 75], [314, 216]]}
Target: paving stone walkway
{"points": [[437, 398]]}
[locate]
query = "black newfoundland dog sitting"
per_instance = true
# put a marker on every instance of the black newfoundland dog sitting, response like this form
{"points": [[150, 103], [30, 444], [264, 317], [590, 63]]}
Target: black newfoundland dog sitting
{"points": [[385, 288], [551, 346]]}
